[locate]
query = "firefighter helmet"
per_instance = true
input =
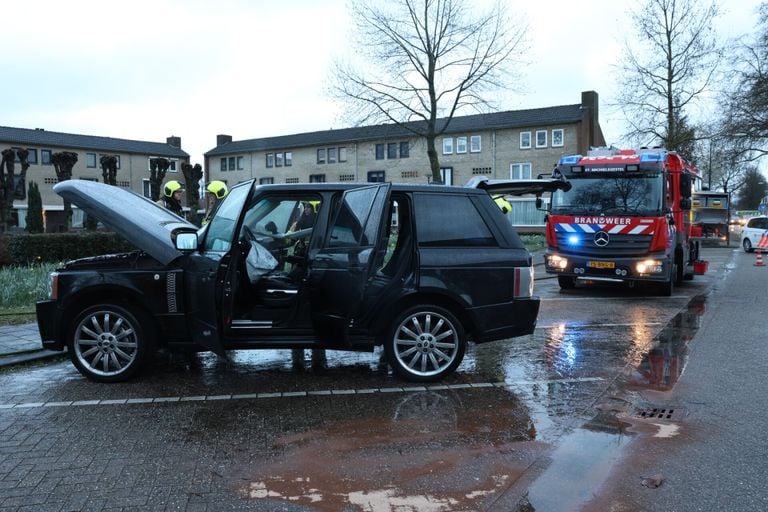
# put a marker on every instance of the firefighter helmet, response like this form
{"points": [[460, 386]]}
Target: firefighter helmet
{"points": [[171, 187], [503, 204], [217, 188]]}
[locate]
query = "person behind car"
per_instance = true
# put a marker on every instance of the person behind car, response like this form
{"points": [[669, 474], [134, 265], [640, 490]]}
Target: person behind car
{"points": [[503, 204], [171, 199], [215, 192]]}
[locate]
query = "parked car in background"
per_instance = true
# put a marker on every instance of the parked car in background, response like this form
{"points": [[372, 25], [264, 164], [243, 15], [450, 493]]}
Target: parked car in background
{"points": [[418, 269], [753, 230]]}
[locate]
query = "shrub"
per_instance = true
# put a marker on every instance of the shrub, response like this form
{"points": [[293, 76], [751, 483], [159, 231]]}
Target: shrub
{"points": [[25, 249], [35, 209]]}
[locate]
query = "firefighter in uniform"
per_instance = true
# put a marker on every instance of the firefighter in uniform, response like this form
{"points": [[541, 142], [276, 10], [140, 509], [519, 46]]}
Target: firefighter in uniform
{"points": [[172, 197]]}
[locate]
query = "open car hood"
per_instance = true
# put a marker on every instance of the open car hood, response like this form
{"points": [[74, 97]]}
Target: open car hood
{"points": [[145, 224], [519, 187]]}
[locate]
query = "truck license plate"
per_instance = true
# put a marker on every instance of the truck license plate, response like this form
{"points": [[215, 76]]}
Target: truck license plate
{"points": [[601, 264]]}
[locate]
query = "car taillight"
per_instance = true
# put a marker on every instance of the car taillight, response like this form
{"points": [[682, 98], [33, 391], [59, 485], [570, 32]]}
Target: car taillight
{"points": [[53, 285], [523, 282]]}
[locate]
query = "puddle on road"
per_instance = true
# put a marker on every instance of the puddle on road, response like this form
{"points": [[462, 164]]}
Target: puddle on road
{"points": [[664, 363]]}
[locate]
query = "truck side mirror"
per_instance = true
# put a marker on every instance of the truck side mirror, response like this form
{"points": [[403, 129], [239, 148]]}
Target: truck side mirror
{"points": [[685, 188], [539, 203], [685, 203]]}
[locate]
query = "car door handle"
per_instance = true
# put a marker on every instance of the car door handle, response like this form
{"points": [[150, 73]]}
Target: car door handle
{"points": [[287, 292]]}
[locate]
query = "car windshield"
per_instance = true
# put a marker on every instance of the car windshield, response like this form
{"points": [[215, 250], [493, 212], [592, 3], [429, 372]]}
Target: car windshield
{"points": [[611, 193]]}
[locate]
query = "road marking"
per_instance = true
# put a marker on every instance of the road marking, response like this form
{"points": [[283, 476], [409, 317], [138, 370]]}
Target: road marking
{"points": [[295, 394]]}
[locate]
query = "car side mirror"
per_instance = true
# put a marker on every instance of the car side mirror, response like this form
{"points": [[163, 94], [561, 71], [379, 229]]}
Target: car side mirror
{"points": [[186, 241]]}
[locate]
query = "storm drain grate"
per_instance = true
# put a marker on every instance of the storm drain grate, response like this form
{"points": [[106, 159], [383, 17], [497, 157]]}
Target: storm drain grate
{"points": [[660, 413]]}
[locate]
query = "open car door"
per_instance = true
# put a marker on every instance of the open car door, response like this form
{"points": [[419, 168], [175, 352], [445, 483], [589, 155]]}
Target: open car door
{"points": [[340, 270]]}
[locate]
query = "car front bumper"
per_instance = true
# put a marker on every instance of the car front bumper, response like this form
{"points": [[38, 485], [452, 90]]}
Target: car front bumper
{"points": [[48, 319]]}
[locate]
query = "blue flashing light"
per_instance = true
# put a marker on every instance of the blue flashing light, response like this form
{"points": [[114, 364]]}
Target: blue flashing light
{"points": [[573, 239], [652, 157], [570, 160]]}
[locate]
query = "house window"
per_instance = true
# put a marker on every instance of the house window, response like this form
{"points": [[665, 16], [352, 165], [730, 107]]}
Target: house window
{"points": [[461, 145], [223, 164], [231, 163], [447, 146], [317, 178], [321, 156], [541, 138], [32, 156], [405, 150], [146, 188], [240, 166], [270, 160], [558, 138], [376, 176], [332, 152], [392, 150], [278, 159], [90, 160], [474, 144], [520, 171], [291, 180], [288, 158], [117, 157], [266, 181], [379, 151], [525, 140], [342, 154], [45, 156]]}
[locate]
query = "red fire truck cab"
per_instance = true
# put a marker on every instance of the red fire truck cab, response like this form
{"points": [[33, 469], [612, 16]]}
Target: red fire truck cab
{"points": [[626, 218]]}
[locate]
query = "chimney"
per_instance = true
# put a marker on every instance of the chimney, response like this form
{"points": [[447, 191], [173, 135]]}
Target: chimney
{"points": [[174, 141], [223, 139]]}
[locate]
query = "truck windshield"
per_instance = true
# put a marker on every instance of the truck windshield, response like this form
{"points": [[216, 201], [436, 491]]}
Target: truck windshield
{"points": [[636, 193]]}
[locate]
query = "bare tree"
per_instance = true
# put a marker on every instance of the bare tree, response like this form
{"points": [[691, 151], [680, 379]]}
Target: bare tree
{"points": [[63, 162], [424, 60], [158, 167], [669, 68], [109, 169], [747, 105]]}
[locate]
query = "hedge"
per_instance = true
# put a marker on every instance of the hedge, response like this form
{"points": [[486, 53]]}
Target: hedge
{"points": [[23, 249]]}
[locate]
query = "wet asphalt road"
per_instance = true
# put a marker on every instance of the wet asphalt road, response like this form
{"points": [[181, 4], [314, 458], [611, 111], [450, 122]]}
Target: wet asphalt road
{"points": [[534, 423]]}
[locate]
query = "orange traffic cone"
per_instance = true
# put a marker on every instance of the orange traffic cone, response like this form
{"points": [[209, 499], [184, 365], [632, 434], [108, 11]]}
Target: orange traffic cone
{"points": [[759, 262]]}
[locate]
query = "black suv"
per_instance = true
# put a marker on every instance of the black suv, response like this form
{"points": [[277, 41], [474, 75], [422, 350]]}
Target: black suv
{"points": [[417, 269]]}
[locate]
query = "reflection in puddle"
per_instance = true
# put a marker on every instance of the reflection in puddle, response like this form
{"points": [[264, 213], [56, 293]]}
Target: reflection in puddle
{"points": [[427, 452], [580, 463], [663, 364]]}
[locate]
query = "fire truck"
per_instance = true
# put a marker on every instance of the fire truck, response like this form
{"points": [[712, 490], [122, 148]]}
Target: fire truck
{"points": [[626, 218]]}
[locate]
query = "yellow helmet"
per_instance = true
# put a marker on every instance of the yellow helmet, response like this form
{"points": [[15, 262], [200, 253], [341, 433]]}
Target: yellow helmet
{"points": [[217, 188], [503, 204], [171, 187]]}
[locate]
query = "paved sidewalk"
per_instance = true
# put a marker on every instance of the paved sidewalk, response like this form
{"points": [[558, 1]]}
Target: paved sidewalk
{"points": [[21, 343]]}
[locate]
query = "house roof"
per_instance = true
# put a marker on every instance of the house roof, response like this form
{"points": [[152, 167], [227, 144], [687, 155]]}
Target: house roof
{"points": [[39, 137], [563, 114]]}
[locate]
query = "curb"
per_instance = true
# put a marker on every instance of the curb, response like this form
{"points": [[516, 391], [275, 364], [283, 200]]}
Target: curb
{"points": [[28, 357]]}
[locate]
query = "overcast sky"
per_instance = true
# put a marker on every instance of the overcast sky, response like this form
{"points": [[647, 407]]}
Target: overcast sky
{"points": [[150, 69]]}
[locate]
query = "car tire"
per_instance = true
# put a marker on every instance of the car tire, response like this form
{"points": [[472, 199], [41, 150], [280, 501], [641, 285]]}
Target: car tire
{"points": [[566, 282], [110, 342], [425, 343], [747, 245]]}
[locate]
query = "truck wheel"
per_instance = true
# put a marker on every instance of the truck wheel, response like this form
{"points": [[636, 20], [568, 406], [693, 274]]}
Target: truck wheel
{"points": [[566, 283], [109, 343], [425, 343]]}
